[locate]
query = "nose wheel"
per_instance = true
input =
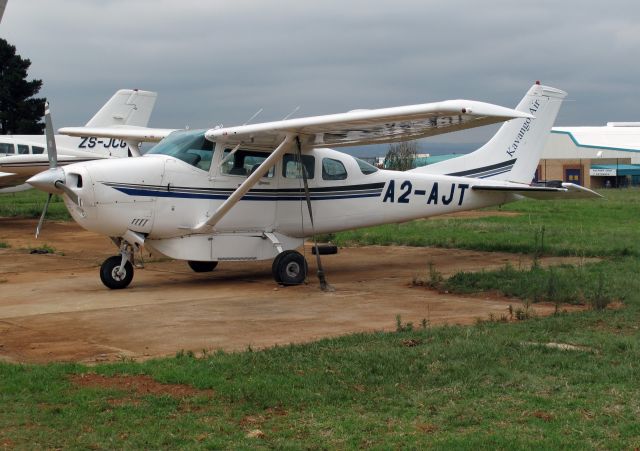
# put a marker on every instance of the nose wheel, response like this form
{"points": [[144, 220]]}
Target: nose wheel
{"points": [[289, 268], [114, 275]]}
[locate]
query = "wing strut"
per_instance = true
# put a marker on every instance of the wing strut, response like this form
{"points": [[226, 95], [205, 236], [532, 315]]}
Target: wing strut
{"points": [[246, 185], [324, 285]]}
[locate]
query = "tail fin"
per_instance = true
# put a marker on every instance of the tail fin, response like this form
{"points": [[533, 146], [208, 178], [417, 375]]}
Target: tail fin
{"points": [[514, 152], [126, 107]]}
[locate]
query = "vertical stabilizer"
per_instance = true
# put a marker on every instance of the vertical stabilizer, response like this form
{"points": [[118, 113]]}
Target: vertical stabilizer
{"points": [[514, 151], [126, 107]]}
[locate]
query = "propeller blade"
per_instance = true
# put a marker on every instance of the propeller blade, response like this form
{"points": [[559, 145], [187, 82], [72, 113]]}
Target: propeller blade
{"points": [[68, 191], [52, 151], [44, 213]]}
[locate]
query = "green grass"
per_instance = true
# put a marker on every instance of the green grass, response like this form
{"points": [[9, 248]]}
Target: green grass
{"points": [[582, 228], [29, 204], [3, 245], [464, 387], [592, 284]]}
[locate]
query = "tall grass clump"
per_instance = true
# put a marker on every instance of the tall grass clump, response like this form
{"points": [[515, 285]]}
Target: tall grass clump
{"points": [[593, 284]]}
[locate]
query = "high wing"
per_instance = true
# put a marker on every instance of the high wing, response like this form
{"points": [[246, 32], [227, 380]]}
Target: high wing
{"points": [[561, 191], [124, 132], [377, 126]]}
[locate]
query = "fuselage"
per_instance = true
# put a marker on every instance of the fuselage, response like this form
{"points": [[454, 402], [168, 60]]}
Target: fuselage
{"points": [[164, 196]]}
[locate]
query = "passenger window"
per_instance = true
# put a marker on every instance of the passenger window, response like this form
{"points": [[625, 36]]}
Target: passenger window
{"points": [[243, 162], [23, 149], [7, 148], [291, 167], [37, 149], [333, 169]]}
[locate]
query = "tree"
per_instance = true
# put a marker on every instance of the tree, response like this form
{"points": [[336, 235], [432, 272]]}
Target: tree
{"points": [[401, 156], [20, 112]]}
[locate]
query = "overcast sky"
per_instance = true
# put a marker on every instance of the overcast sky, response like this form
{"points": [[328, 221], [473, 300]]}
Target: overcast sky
{"points": [[219, 61]]}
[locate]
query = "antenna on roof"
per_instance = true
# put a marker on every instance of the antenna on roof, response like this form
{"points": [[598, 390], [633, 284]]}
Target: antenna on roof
{"points": [[295, 110], [254, 116]]}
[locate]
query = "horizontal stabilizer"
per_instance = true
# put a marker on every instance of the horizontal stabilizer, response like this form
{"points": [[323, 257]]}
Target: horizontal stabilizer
{"points": [[564, 191], [125, 132]]}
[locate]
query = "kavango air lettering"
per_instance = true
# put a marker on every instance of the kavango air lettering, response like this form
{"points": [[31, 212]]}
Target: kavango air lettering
{"points": [[443, 193], [511, 150]]}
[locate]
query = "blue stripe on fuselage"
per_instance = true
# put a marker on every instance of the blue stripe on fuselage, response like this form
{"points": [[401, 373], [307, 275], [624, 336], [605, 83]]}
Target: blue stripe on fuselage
{"points": [[183, 195]]}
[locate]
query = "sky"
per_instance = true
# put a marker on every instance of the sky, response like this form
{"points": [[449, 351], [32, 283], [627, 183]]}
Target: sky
{"points": [[218, 62]]}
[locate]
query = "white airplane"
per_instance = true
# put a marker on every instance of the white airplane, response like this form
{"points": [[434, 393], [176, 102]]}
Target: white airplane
{"points": [[22, 156], [255, 192]]}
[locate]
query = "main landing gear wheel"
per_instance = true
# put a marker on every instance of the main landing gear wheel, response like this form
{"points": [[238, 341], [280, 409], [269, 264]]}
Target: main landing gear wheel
{"points": [[289, 268], [112, 277], [202, 266]]}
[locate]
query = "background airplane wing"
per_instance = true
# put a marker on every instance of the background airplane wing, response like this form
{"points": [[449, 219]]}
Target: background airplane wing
{"points": [[16, 169], [124, 132], [8, 179], [360, 127]]}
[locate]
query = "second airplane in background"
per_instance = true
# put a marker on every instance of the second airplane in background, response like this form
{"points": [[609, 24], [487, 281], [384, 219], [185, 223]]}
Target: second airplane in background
{"points": [[23, 156]]}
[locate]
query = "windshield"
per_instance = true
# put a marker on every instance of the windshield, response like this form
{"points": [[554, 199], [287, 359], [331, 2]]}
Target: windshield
{"points": [[189, 146]]}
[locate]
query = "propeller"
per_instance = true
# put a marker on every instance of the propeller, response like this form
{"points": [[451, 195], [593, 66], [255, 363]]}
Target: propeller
{"points": [[51, 181]]}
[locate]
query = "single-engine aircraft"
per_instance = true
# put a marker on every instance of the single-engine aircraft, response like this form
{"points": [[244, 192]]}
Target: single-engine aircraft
{"points": [[255, 192], [22, 156]]}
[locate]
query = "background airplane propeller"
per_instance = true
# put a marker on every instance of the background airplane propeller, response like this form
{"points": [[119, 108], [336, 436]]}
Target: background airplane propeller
{"points": [[52, 180]]}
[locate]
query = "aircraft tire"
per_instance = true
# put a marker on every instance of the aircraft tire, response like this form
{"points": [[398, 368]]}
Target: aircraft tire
{"points": [[325, 249], [197, 266], [290, 268], [109, 275], [275, 268]]}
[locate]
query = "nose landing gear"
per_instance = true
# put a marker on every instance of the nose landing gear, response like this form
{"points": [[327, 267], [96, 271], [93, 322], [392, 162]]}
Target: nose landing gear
{"points": [[114, 275], [117, 272]]}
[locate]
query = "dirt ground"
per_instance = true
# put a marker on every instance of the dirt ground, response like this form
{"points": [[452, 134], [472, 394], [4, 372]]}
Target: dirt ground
{"points": [[53, 307]]}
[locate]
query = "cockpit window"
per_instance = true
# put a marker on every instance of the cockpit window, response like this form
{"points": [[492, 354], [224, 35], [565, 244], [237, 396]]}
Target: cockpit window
{"points": [[365, 167], [333, 169], [189, 146]]}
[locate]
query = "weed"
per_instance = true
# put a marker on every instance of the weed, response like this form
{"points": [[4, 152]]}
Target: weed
{"points": [[3, 245], [522, 313], [433, 280], [539, 241], [403, 327], [599, 300]]}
